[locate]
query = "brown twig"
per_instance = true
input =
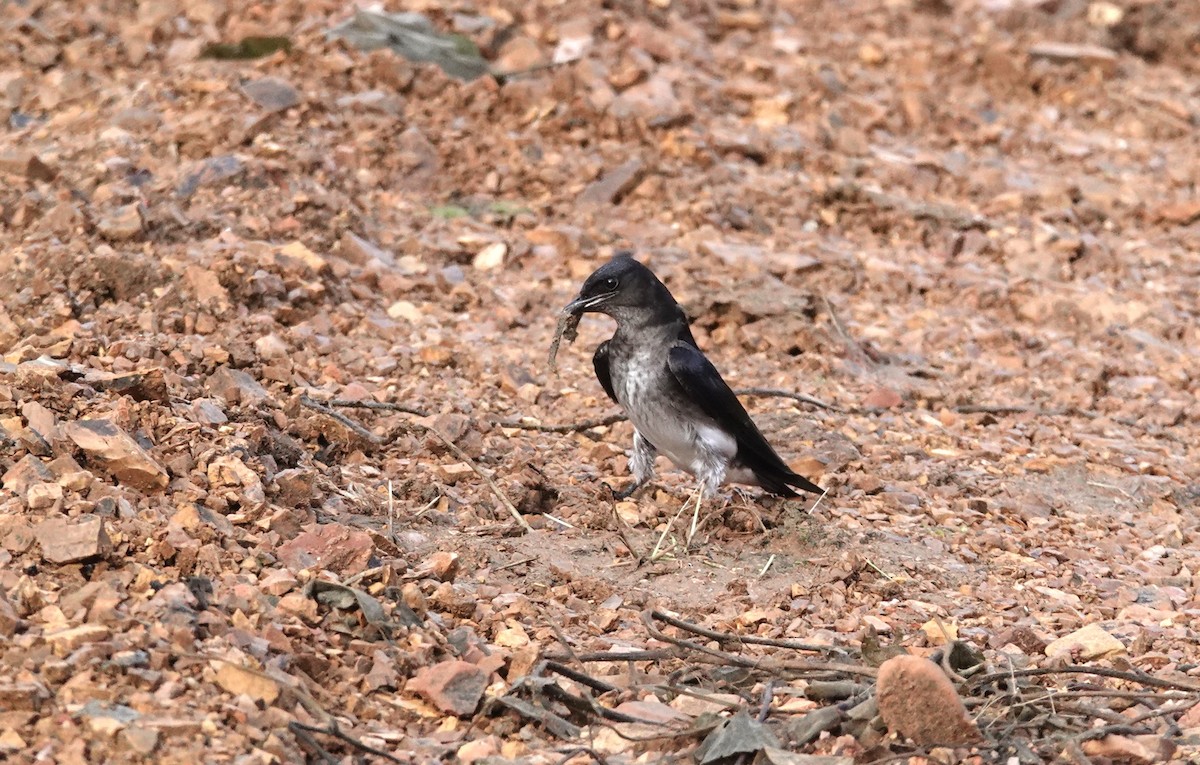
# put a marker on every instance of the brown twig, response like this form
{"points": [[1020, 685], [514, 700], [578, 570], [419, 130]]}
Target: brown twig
{"points": [[616, 656], [729, 637], [780, 393], [765, 663], [379, 406], [569, 754], [504, 500], [342, 419], [1133, 677], [333, 730], [570, 427], [453, 447], [938, 212], [853, 347]]}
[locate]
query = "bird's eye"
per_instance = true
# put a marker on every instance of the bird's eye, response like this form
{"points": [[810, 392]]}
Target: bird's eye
{"points": [[610, 284]]}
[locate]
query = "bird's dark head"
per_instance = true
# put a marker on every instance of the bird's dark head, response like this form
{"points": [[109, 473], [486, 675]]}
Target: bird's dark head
{"points": [[621, 288]]}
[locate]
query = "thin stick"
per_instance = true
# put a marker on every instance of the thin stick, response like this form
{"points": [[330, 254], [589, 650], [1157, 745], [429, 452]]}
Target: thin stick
{"points": [[333, 730], [765, 568], [813, 509], [570, 427], [655, 554], [733, 659], [695, 517], [453, 447], [379, 406], [353, 426], [391, 513], [729, 637], [513, 564], [1133, 677], [637, 556], [780, 393]]}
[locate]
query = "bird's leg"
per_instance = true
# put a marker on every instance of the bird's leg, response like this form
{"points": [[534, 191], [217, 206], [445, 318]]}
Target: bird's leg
{"points": [[695, 515], [627, 492], [641, 463]]}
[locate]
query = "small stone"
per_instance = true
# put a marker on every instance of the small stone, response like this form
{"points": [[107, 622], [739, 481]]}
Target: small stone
{"points": [[68, 541], [121, 224], [271, 347], [66, 641], [329, 546], [11, 741], [403, 309], [442, 566], [917, 700], [1180, 213], [490, 257], [454, 687], [1087, 643], [28, 471], [208, 412], [1140, 750], [271, 93], [141, 740], [9, 618], [123, 457], [43, 495], [141, 385], [236, 387], [238, 680], [1065, 53], [614, 185], [519, 54], [882, 398], [453, 472], [653, 101], [23, 696]]}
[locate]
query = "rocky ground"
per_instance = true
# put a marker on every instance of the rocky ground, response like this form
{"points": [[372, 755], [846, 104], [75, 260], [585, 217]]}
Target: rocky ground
{"points": [[968, 228]]}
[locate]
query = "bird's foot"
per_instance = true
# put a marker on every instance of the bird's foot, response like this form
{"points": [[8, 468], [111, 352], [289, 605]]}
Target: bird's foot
{"points": [[627, 492]]}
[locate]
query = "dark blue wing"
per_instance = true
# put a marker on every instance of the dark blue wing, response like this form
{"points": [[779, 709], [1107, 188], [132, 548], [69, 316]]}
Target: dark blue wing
{"points": [[600, 362], [705, 387]]}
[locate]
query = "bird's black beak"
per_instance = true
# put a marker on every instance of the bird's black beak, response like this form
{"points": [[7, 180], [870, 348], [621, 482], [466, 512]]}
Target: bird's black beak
{"points": [[582, 305]]}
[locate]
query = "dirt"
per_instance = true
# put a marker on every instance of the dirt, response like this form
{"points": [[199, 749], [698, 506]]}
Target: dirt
{"points": [[969, 230]]}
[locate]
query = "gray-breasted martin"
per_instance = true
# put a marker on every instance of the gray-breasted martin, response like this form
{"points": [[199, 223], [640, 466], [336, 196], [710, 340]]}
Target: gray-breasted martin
{"points": [[678, 402]]}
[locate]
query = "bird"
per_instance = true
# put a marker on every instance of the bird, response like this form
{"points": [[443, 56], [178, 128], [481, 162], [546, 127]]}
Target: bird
{"points": [[679, 404]]}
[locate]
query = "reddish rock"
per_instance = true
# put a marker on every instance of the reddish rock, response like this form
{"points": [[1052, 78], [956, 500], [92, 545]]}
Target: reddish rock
{"points": [[614, 185], [236, 387], [1143, 750], [128, 462], [28, 471], [67, 541], [451, 686], [329, 546], [917, 700], [9, 618], [882, 398]]}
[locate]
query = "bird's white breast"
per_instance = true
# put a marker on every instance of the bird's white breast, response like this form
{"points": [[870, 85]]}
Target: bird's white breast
{"points": [[681, 436]]}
